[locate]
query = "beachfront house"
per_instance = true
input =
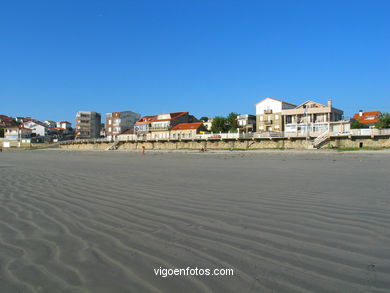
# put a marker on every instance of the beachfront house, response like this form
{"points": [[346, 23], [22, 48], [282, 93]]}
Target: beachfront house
{"points": [[50, 124], [269, 114], [187, 130], [159, 126], [119, 122], [311, 118]]}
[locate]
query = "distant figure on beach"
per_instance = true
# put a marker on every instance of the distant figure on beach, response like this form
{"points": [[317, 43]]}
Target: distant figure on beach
{"points": [[143, 150]]}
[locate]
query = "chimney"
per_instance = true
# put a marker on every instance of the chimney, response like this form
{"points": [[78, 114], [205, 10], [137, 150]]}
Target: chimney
{"points": [[361, 113], [330, 104]]}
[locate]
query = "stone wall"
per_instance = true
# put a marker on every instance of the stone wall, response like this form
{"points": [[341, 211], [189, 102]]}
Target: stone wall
{"points": [[274, 143]]}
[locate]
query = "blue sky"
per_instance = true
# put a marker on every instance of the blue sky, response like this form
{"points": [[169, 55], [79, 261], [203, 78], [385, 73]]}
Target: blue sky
{"points": [[204, 56]]}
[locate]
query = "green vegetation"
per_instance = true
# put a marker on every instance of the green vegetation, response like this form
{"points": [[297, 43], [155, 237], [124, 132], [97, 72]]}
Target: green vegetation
{"points": [[225, 124], [361, 149], [204, 119], [1, 131], [383, 121], [357, 125]]}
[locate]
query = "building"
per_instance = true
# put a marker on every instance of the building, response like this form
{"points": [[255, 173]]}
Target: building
{"points": [[37, 127], [64, 125], [159, 126], [246, 122], [88, 125], [17, 133], [269, 114], [6, 121], [187, 130], [50, 124], [311, 118], [119, 122], [367, 118], [208, 124]]}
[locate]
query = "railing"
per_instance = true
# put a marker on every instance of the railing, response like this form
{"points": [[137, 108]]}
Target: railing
{"points": [[320, 139], [240, 135]]}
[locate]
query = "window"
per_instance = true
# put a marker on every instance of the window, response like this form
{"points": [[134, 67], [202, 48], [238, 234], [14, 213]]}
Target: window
{"points": [[261, 118], [276, 117]]}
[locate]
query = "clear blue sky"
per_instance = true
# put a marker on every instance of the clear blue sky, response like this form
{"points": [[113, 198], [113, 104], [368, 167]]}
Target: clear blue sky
{"points": [[204, 56]]}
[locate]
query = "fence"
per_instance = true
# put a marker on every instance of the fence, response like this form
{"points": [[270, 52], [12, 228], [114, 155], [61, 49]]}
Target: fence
{"points": [[227, 136]]}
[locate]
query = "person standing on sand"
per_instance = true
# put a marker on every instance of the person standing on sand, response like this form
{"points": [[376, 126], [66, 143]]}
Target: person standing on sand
{"points": [[143, 150]]}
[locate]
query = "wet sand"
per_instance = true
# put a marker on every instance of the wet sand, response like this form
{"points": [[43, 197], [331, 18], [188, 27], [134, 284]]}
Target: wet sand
{"points": [[283, 221]]}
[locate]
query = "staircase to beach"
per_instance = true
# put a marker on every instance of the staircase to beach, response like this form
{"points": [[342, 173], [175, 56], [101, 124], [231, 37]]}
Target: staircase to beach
{"points": [[114, 146], [321, 139]]}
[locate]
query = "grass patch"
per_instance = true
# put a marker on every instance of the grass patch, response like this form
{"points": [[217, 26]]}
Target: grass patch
{"points": [[361, 149]]}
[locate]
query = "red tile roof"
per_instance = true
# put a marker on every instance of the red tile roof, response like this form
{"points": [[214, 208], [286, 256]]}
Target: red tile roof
{"points": [[187, 126], [363, 119], [154, 118], [65, 122]]}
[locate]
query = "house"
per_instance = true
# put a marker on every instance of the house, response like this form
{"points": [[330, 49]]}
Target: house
{"points": [[88, 125], [187, 130], [367, 118], [208, 124], [269, 114], [50, 124], [64, 125], [246, 122], [6, 121], [311, 118], [159, 126], [37, 127], [119, 122], [17, 133]]}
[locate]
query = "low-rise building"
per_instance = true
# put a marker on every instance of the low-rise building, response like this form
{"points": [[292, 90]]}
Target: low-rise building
{"points": [[246, 122], [310, 118], [50, 124], [64, 125], [269, 114], [6, 121], [368, 119], [37, 127], [159, 126], [187, 130], [17, 133], [88, 124], [119, 122], [208, 124]]}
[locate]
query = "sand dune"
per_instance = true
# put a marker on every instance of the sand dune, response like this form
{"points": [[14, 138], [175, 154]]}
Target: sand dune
{"points": [[284, 221]]}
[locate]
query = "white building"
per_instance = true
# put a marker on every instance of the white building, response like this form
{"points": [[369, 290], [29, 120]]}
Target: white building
{"points": [[38, 128], [50, 123], [64, 124]]}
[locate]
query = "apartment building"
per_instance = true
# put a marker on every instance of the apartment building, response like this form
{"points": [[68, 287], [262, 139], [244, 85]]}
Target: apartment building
{"points": [[119, 122], [88, 125], [311, 118], [269, 114]]}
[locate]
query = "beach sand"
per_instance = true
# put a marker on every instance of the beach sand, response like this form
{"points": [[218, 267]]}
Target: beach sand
{"points": [[284, 221]]}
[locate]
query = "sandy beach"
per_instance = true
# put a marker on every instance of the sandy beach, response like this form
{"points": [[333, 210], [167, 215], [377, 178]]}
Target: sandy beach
{"points": [[284, 221]]}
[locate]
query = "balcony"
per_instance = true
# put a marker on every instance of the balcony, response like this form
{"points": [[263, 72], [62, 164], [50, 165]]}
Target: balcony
{"points": [[158, 128], [268, 111], [267, 122]]}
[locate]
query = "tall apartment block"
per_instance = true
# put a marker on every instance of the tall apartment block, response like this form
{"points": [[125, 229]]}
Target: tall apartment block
{"points": [[118, 122], [88, 125]]}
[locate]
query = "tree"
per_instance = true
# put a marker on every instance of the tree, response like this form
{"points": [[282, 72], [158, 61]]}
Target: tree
{"points": [[204, 119], [383, 121], [232, 121], [1, 131], [219, 124], [357, 125]]}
